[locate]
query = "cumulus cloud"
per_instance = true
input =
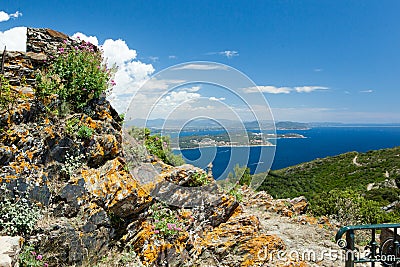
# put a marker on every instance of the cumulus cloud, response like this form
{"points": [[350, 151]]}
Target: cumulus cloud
{"points": [[367, 91], [5, 16], [90, 39], [117, 52], [309, 89], [13, 39], [268, 89]]}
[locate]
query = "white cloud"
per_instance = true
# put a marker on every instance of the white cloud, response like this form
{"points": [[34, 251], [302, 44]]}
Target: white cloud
{"points": [[213, 98], [153, 59], [200, 66], [154, 84], [318, 70], [268, 89], [118, 52], [229, 53], [5, 16], [90, 39], [309, 89], [172, 57], [14, 39], [176, 98], [193, 89], [367, 91], [282, 90], [226, 53]]}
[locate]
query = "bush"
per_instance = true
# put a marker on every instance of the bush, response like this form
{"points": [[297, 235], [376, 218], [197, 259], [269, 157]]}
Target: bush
{"points": [[17, 217], [165, 222], [198, 179], [77, 76], [72, 126], [30, 258], [85, 132], [349, 207], [241, 175], [8, 97], [157, 145]]}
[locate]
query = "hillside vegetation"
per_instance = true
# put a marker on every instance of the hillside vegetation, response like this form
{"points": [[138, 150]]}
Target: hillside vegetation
{"points": [[333, 182]]}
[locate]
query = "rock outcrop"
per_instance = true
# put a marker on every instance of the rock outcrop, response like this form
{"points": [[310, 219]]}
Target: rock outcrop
{"points": [[9, 250]]}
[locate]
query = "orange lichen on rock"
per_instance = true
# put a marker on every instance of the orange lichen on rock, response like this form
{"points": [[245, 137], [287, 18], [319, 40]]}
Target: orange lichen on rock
{"points": [[120, 191], [103, 114], [144, 244], [49, 131], [91, 123], [21, 165], [255, 249], [241, 234]]}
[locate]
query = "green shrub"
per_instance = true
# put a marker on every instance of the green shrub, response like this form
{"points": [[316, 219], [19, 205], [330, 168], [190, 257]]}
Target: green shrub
{"points": [[240, 175], [165, 222], [349, 207], [85, 132], [17, 216], [30, 258], [72, 126], [199, 179], [76, 75], [234, 191], [157, 145], [384, 196], [8, 96]]}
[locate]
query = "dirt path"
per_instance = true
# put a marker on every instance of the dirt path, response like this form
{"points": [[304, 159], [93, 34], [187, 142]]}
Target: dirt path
{"points": [[311, 243], [355, 161]]}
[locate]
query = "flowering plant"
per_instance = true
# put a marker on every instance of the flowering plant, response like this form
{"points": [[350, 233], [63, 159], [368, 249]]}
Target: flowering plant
{"points": [[77, 75], [30, 258], [165, 222]]}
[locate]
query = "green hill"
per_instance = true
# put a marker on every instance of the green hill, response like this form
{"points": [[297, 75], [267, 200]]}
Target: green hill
{"points": [[332, 178]]}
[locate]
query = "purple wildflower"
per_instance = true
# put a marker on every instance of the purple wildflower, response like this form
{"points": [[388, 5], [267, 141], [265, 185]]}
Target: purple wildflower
{"points": [[39, 257]]}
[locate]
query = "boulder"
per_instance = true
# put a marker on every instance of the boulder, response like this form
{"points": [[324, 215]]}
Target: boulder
{"points": [[10, 247]]}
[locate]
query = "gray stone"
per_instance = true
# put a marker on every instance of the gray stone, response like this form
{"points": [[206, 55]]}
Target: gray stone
{"points": [[10, 248]]}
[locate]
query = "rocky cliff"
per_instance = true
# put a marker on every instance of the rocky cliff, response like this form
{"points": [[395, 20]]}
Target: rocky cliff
{"points": [[95, 200]]}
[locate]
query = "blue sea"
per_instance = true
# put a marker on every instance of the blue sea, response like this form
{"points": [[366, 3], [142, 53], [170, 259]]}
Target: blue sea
{"points": [[319, 143]]}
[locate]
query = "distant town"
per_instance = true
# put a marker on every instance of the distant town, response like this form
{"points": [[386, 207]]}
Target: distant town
{"points": [[235, 139]]}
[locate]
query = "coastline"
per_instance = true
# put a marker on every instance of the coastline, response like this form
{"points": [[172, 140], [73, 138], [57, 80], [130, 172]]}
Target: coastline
{"points": [[269, 145]]}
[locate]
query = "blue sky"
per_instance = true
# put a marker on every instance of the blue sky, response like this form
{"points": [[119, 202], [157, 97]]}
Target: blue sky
{"points": [[314, 60]]}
